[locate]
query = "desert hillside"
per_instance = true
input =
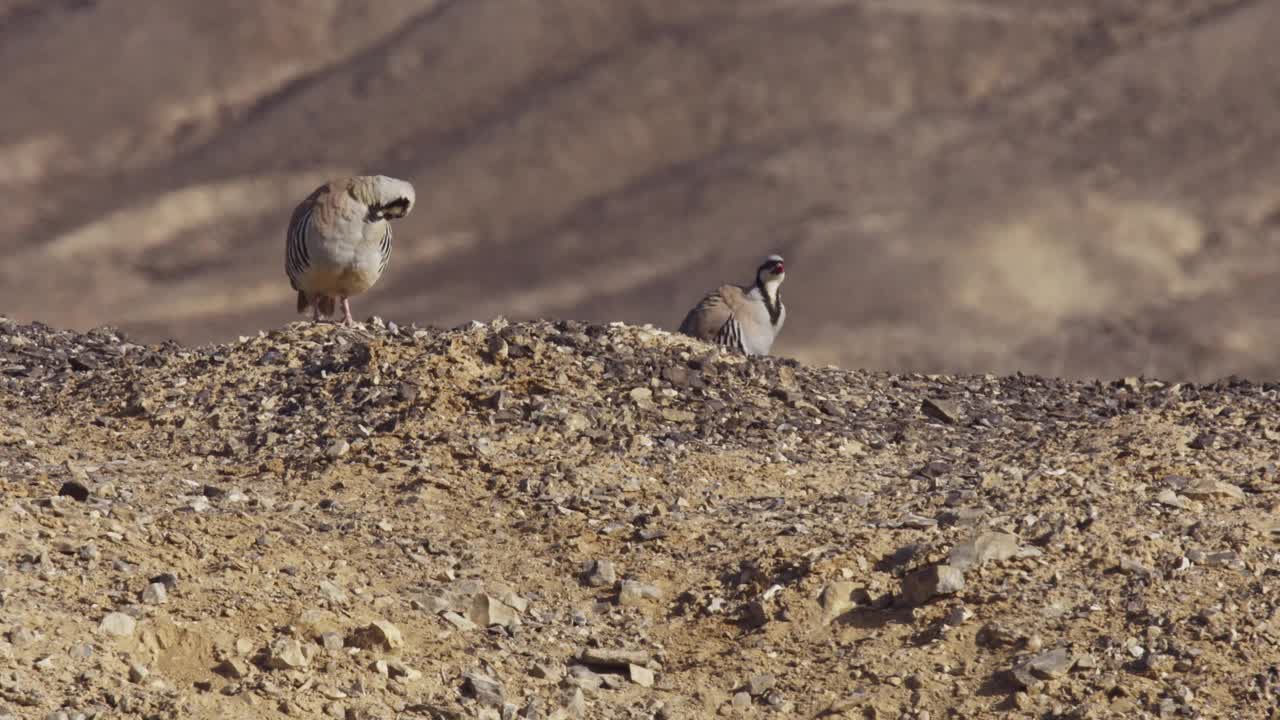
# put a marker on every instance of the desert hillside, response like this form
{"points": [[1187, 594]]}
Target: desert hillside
{"points": [[572, 520], [1075, 189]]}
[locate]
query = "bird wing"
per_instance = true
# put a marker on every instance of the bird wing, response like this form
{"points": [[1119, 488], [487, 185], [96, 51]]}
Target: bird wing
{"points": [[715, 317], [297, 256]]}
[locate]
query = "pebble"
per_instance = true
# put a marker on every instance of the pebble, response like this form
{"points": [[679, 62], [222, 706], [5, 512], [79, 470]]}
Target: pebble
{"points": [[20, 635], [458, 621], [118, 624], [334, 594], [155, 594], [640, 675], [933, 581], [378, 635], [944, 411], [1045, 666], [74, 490], [547, 671], [288, 654], [484, 689], [584, 677], [761, 683], [984, 548], [601, 574], [399, 670], [840, 597], [487, 610], [234, 668], [614, 657], [338, 448], [633, 593]]}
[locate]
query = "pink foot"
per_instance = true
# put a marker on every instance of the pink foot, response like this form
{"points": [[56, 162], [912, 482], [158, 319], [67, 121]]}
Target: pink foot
{"points": [[346, 313]]}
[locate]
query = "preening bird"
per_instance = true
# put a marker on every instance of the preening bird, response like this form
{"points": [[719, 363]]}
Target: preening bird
{"points": [[339, 240], [746, 318]]}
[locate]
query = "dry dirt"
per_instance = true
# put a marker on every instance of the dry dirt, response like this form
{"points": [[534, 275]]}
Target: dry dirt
{"points": [[605, 521], [1085, 188]]}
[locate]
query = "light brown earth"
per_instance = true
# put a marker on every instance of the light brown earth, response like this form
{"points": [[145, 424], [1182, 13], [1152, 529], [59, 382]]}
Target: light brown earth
{"points": [[316, 480], [1079, 188]]}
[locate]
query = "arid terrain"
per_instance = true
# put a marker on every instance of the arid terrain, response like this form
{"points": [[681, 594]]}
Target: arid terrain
{"points": [[568, 520], [1082, 189]]}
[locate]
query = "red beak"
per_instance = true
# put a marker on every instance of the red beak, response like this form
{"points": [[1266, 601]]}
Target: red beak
{"points": [[778, 269]]}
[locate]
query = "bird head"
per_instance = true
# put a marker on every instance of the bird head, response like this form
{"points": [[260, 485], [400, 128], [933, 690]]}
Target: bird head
{"points": [[388, 198], [772, 271]]}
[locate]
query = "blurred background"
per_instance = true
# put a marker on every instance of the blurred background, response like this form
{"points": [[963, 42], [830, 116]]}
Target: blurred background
{"points": [[1068, 187]]}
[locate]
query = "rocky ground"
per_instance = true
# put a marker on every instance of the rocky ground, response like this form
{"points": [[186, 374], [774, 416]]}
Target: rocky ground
{"points": [[562, 520]]}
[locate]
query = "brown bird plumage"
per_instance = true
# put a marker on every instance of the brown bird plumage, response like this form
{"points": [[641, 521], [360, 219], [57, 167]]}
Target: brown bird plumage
{"points": [[744, 318], [339, 240]]}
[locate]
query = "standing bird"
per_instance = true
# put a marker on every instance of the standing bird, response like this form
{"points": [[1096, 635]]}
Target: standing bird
{"points": [[745, 318], [339, 240]]}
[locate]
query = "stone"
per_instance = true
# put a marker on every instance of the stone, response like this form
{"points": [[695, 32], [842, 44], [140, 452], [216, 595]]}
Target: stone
{"points": [[1226, 559], [584, 677], [1172, 499], [484, 689], [401, 671], [288, 654], [20, 635], [74, 490], [334, 594], [640, 675], [944, 411], [1132, 566], [378, 635], [155, 594], [118, 624], [167, 579], [458, 621], [613, 682], [742, 700], [234, 668], [138, 672], [761, 683], [575, 703], [984, 548], [330, 640], [600, 574], [546, 671], [913, 521], [840, 597], [958, 615], [933, 581], [642, 396], [633, 593], [487, 610], [337, 449], [1045, 666], [1205, 488], [616, 658]]}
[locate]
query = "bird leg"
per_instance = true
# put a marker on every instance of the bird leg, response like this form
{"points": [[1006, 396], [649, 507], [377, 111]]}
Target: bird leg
{"points": [[346, 313], [315, 309]]}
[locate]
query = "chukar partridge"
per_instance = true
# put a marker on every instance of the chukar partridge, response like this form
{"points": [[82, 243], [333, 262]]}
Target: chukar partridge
{"points": [[339, 240], [746, 318]]}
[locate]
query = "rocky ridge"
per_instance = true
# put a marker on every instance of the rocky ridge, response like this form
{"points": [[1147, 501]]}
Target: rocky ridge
{"points": [[561, 519]]}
